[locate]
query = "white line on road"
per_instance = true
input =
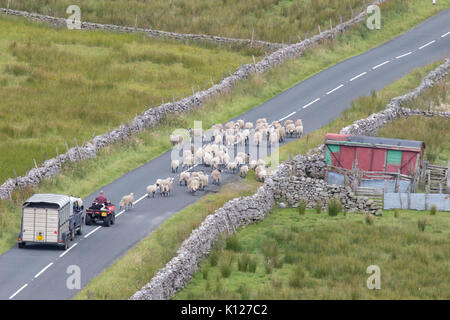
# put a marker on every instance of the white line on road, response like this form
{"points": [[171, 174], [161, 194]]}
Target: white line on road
{"points": [[120, 213], [17, 292], [359, 75], [445, 34], [92, 232], [290, 114], [403, 55], [381, 64], [427, 44], [306, 106], [42, 271], [140, 199], [337, 88], [73, 246]]}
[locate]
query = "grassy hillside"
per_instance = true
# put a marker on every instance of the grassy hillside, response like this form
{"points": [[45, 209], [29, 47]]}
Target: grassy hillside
{"points": [[271, 20], [57, 85], [315, 256]]}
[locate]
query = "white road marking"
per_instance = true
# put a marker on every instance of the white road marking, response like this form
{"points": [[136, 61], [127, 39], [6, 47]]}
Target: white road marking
{"points": [[381, 64], [358, 76], [290, 114], [17, 292], [306, 106], [403, 55], [73, 246], [42, 271], [120, 213], [427, 44], [337, 88], [140, 199], [92, 232], [445, 34]]}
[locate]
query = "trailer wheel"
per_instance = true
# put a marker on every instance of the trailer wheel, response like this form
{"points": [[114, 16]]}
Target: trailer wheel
{"points": [[113, 218], [21, 245]]}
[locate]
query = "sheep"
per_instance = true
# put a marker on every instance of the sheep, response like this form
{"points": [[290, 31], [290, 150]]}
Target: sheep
{"points": [[158, 182], [240, 123], [216, 175], [261, 175], [175, 164], [231, 166], [258, 169], [151, 189], [193, 185], [298, 123], [230, 139], [229, 125], [196, 132], [299, 131], [184, 177], [79, 202], [127, 201], [257, 138], [203, 181], [290, 129], [243, 171], [281, 133], [261, 120], [226, 158], [239, 161], [199, 154], [166, 186], [253, 164], [261, 162], [288, 122], [273, 138], [176, 139], [215, 162], [207, 158], [218, 139], [164, 190], [188, 161], [248, 125], [187, 153]]}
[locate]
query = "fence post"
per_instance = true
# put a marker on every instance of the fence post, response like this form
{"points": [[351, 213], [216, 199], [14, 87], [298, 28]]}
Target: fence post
{"points": [[426, 197]]}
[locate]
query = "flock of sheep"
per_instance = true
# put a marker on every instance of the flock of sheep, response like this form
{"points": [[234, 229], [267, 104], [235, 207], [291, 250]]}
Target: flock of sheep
{"points": [[217, 156]]}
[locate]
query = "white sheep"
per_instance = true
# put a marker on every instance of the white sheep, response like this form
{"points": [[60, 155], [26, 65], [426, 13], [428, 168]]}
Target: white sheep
{"points": [[257, 138], [299, 131], [193, 184], [151, 189], [248, 125], [298, 123], [243, 171], [127, 202], [231, 166], [188, 161], [184, 177], [216, 175], [176, 139], [261, 175], [175, 164]]}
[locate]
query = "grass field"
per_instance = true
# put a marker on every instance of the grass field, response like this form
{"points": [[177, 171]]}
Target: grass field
{"points": [[271, 20], [82, 178], [113, 282], [57, 85], [315, 256]]}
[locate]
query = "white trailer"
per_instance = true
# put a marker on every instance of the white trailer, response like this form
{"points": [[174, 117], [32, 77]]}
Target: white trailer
{"points": [[48, 218]]}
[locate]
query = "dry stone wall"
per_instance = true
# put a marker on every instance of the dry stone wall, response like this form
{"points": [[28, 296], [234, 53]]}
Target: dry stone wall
{"points": [[152, 117], [297, 179]]}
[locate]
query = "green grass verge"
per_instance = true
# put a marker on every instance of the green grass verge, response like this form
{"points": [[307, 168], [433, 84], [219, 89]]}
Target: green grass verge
{"points": [[121, 273], [141, 263], [315, 256], [82, 178]]}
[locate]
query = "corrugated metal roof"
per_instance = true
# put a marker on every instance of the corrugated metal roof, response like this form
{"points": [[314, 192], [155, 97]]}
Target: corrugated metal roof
{"points": [[58, 199], [375, 141]]}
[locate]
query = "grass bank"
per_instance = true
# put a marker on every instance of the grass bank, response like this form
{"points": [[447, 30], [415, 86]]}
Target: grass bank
{"points": [[113, 282], [315, 256], [112, 162]]}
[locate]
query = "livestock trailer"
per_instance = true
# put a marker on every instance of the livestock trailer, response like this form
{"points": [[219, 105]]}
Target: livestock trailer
{"points": [[50, 219], [375, 158]]}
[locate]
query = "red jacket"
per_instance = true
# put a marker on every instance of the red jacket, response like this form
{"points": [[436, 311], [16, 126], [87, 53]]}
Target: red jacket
{"points": [[101, 199]]}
